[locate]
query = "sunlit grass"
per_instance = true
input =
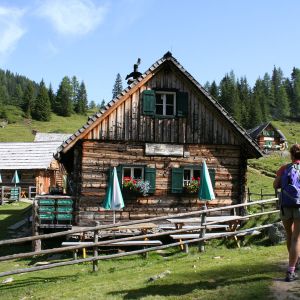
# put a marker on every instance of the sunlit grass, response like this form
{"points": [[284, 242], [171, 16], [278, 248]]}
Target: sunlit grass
{"points": [[219, 273], [21, 131]]}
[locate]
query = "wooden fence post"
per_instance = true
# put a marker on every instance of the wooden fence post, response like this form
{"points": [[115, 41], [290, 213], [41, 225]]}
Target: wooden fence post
{"points": [[249, 195], [203, 229], [36, 244], [95, 252], [261, 198]]}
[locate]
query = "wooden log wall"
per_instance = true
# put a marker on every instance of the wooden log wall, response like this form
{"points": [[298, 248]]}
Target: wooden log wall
{"points": [[41, 179], [98, 157], [27, 177], [203, 124]]}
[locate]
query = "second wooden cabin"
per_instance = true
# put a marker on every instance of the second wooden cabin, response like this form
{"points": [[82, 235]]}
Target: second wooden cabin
{"points": [[159, 130]]}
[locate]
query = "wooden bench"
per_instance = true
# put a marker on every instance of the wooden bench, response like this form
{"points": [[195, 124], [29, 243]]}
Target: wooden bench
{"points": [[144, 243], [191, 236], [194, 227]]}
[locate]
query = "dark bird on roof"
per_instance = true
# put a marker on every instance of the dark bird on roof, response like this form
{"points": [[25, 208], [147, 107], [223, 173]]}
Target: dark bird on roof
{"points": [[135, 74]]}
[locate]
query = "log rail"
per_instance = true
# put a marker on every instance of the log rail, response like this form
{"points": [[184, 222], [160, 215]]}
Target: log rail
{"points": [[97, 229]]}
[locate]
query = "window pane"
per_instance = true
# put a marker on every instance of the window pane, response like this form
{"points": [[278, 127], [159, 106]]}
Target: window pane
{"points": [[187, 174], [169, 110], [159, 109], [170, 99], [137, 173], [126, 172], [159, 99], [196, 174]]}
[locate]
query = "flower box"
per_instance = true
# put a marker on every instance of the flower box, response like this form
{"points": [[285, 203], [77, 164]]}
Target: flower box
{"points": [[136, 187]]}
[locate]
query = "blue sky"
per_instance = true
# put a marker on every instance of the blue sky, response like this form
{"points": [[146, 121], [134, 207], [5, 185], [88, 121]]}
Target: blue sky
{"points": [[94, 39]]}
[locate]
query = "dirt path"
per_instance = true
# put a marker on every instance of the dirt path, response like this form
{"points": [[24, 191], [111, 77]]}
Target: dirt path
{"points": [[281, 290]]}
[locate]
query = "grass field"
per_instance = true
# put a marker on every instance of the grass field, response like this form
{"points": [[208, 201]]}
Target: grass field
{"points": [[219, 273], [21, 130]]}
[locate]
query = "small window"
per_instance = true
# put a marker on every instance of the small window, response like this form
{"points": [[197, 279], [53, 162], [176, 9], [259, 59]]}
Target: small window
{"points": [[165, 103], [133, 173], [189, 175]]}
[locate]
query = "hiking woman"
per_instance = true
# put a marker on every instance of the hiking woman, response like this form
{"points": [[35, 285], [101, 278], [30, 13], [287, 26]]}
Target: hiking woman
{"points": [[290, 215]]}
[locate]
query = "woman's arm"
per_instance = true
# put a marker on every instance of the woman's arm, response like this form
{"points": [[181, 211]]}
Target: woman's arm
{"points": [[277, 183]]}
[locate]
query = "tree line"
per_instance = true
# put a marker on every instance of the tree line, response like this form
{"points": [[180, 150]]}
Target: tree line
{"points": [[38, 101], [273, 97]]}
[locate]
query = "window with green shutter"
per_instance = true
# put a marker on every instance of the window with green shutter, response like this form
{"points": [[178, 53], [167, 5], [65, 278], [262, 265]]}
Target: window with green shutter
{"points": [[134, 173], [182, 104], [183, 177], [148, 98]]}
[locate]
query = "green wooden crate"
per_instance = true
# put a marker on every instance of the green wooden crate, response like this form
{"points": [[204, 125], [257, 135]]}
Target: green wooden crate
{"points": [[46, 209], [46, 216], [64, 217], [46, 201], [64, 202], [14, 193], [64, 209]]}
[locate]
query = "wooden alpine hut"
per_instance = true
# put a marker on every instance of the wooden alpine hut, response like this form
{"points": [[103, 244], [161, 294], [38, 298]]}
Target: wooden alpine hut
{"points": [[159, 129], [35, 163], [268, 137]]}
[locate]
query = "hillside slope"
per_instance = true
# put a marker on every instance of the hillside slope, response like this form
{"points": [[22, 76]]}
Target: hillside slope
{"points": [[21, 130]]}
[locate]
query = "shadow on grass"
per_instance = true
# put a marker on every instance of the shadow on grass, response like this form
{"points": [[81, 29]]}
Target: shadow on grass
{"points": [[243, 284], [29, 282]]}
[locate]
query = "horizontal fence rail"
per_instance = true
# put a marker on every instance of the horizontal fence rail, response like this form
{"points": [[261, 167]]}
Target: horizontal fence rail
{"points": [[118, 255], [100, 228], [109, 226]]}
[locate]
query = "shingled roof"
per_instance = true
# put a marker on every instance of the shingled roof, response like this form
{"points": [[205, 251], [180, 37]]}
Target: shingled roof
{"points": [[21, 156], [167, 57], [50, 137]]}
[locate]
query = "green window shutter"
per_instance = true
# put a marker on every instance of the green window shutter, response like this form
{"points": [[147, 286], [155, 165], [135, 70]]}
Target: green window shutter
{"points": [[148, 97], [182, 103], [177, 180], [212, 173], [150, 175]]}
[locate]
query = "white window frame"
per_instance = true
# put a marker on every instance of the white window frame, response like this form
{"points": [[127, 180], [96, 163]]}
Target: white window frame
{"points": [[164, 105], [132, 172], [187, 182]]}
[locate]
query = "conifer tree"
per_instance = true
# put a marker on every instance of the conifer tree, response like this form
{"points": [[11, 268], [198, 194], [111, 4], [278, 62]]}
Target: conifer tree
{"points": [[214, 90], [42, 108], [295, 97], [261, 97], [51, 97], [29, 100], [102, 104], [81, 100], [75, 91], [64, 105], [92, 105], [244, 92], [254, 113], [229, 97], [118, 86], [281, 108]]}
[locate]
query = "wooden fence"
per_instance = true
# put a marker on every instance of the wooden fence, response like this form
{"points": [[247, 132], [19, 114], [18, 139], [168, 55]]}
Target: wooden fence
{"points": [[97, 229]]}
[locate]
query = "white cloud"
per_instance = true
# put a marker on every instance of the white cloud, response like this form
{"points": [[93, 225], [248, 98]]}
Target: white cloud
{"points": [[72, 17], [11, 29]]}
